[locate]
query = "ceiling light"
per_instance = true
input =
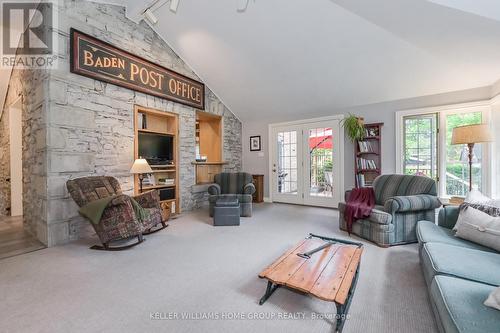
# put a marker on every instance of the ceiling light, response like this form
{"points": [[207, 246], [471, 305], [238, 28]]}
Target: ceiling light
{"points": [[150, 16], [173, 5]]}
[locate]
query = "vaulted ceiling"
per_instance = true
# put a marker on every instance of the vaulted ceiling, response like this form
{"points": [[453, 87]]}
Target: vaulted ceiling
{"points": [[285, 59]]}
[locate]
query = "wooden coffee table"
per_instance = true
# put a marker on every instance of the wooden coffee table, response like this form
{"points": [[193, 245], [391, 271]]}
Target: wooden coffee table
{"points": [[329, 274]]}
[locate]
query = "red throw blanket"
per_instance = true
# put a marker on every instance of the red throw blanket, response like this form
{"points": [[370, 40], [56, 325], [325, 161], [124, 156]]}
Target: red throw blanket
{"points": [[359, 204]]}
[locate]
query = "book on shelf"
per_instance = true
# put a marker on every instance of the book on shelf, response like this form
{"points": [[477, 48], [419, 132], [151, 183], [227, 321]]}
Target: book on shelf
{"points": [[366, 164], [361, 180], [365, 147]]}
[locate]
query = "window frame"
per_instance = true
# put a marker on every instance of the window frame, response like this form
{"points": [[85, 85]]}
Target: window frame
{"points": [[442, 111], [404, 134]]}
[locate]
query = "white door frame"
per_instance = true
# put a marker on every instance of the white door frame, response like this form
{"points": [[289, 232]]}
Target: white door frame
{"points": [[272, 148], [16, 162], [287, 197]]}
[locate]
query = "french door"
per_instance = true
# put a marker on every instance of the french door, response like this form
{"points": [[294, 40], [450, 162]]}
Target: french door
{"points": [[306, 163]]}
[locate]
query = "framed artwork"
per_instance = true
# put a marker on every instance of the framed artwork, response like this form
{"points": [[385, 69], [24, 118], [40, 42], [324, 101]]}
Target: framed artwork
{"points": [[255, 143]]}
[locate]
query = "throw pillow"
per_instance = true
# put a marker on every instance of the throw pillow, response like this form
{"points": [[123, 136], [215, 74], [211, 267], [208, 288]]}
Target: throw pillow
{"points": [[490, 210], [493, 301], [476, 197], [479, 227]]}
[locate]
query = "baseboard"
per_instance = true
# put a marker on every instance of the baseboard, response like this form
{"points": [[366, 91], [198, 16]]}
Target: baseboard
{"points": [[267, 199]]}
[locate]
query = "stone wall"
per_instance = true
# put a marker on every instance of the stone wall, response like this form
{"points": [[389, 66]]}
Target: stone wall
{"points": [[4, 164], [90, 123], [32, 85]]}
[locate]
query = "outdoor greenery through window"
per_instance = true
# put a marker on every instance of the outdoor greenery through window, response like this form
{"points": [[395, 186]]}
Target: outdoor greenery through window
{"points": [[420, 145], [421, 148], [457, 161]]}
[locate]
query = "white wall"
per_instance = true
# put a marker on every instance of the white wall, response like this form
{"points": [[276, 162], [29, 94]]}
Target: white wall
{"points": [[253, 161], [381, 112], [16, 158], [495, 121]]}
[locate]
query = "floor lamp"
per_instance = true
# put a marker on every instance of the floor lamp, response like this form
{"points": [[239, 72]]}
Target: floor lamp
{"points": [[470, 135], [141, 167]]}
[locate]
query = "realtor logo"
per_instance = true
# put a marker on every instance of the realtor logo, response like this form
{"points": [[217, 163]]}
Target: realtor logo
{"points": [[27, 34]]}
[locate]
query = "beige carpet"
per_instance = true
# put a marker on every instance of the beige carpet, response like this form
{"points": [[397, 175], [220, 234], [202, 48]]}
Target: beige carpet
{"points": [[197, 269]]}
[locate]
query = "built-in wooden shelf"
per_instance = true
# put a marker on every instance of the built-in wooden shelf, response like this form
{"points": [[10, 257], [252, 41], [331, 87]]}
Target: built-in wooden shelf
{"points": [[154, 187], [205, 171], [154, 132], [164, 171], [208, 143], [159, 122], [208, 163]]}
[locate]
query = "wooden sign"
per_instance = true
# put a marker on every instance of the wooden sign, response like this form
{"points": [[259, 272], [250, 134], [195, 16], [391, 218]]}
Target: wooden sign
{"points": [[101, 61]]}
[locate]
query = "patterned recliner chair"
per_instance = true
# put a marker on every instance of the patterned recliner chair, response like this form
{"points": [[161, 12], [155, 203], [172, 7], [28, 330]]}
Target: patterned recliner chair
{"points": [[238, 184], [400, 202], [119, 220]]}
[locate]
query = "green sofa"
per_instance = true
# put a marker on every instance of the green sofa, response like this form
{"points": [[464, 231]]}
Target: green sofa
{"points": [[459, 275]]}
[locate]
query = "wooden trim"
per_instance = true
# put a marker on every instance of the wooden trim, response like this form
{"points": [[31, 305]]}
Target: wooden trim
{"points": [[209, 163]]}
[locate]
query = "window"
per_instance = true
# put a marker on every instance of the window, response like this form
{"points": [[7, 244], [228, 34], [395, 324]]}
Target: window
{"points": [[287, 162], [420, 145], [425, 150]]}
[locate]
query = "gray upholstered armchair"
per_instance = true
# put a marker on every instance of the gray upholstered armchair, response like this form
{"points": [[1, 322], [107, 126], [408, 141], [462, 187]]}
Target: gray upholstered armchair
{"points": [[400, 202], [238, 184]]}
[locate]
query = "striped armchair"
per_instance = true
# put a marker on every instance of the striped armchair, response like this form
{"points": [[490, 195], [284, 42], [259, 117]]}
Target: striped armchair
{"points": [[400, 202], [237, 184]]}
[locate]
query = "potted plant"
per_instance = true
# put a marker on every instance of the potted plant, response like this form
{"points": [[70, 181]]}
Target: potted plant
{"points": [[354, 127]]}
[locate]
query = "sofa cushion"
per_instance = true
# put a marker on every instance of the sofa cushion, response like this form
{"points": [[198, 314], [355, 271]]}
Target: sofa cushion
{"points": [[470, 264], [428, 232], [380, 217], [387, 186], [458, 305], [479, 227]]}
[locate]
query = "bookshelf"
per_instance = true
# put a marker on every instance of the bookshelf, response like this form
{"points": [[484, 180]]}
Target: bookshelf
{"points": [[163, 177], [368, 155]]}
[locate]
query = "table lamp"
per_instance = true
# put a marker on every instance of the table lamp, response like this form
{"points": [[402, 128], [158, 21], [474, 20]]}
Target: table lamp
{"points": [[469, 135], [141, 167]]}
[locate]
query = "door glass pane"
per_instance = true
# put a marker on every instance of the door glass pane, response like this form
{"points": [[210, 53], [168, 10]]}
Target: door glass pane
{"points": [[286, 170], [320, 150], [420, 145], [457, 162]]}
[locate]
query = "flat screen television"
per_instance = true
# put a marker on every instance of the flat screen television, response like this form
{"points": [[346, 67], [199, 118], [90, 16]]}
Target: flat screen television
{"points": [[157, 149]]}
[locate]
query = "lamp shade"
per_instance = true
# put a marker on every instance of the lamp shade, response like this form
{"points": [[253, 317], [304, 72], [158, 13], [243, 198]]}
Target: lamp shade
{"points": [[471, 134], [141, 166]]}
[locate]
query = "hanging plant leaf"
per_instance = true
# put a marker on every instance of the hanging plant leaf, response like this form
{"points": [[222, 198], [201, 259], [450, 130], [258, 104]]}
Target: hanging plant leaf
{"points": [[354, 127]]}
